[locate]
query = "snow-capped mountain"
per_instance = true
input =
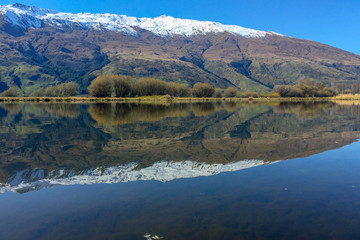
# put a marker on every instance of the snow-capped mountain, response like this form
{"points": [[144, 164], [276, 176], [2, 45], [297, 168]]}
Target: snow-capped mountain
{"points": [[35, 179], [39, 47], [33, 17]]}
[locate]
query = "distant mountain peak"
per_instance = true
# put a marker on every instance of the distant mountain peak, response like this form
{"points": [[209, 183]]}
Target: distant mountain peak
{"points": [[34, 17], [21, 8]]}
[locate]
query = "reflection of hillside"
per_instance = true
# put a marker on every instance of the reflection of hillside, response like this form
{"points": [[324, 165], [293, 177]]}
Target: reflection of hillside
{"points": [[205, 109], [119, 114], [304, 109], [237, 118], [254, 132], [63, 110], [29, 118], [12, 108], [22, 119], [128, 133]]}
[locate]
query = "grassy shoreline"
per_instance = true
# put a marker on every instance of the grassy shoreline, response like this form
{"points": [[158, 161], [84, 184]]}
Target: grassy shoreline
{"points": [[148, 99], [169, 99]]}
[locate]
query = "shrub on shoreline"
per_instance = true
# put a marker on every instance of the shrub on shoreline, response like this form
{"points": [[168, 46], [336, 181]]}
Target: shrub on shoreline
{"points": [[126, 86], [218, 93], [152, 86], [12, 92], [122, 85], [100, 87], [203, 90], [231, 92], [249, 94], [305, 88]]}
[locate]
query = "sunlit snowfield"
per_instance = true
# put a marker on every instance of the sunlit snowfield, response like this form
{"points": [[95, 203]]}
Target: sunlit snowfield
{"points": [[182, 171]]}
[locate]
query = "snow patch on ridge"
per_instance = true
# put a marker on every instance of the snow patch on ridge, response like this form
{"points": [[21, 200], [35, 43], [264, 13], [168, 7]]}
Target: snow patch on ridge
{"points": [[33, 17], [35, 179]]}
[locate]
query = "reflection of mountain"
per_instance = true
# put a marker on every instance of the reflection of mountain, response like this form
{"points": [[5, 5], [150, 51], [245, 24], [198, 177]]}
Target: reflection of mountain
{"points": [[78, 137], [27, 180]]}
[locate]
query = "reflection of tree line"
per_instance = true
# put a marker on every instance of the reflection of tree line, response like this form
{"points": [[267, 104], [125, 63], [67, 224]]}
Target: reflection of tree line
{"points": [[122, 113], [12, 108], [63, 110], [118, 114], [313, 109], [125, 113], [304, 109], [68, 110]]}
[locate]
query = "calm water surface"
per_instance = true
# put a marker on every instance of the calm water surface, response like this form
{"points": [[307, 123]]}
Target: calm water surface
{"points": [[182, 171]]}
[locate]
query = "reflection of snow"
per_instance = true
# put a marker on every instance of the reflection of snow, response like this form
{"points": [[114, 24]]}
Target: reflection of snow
{"points": [[151, 237], [34, 179]]}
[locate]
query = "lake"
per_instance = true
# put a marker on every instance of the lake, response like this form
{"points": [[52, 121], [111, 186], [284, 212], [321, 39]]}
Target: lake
{"points": [[286, 170]]}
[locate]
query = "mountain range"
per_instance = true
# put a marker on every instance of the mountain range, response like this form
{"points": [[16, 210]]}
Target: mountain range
{"points": [[41, 47]]}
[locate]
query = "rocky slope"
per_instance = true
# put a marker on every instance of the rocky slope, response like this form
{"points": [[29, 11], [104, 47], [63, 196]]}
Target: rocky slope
{"points": [[40, 47]]}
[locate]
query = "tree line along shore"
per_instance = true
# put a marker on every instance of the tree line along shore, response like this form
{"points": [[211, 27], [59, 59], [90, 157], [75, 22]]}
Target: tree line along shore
{"points": [[111, 87]]}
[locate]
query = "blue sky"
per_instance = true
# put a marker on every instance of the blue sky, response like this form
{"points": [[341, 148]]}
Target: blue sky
{"points": [[336, 23]]}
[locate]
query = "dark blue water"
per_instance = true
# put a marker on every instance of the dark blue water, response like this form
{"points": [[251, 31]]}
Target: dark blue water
{"points": [[313, 196]]}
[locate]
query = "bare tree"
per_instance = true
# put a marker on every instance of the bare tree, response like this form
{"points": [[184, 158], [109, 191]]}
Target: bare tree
{"points": [[183, 90], [203, 90], [355, 88], [100, 87], [231, 92], [340, 88], [218, 93], [152, 86], [122, 85]]}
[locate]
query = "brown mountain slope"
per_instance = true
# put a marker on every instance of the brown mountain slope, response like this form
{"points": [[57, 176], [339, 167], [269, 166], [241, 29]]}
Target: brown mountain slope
{"points": [[38, 57]]}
